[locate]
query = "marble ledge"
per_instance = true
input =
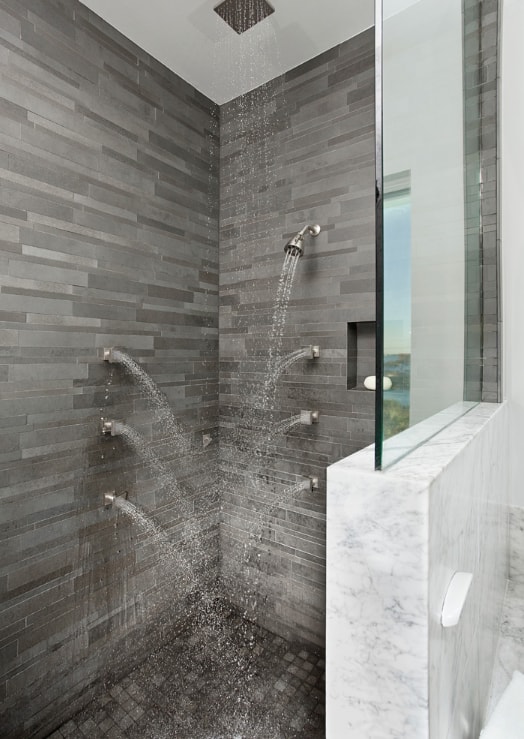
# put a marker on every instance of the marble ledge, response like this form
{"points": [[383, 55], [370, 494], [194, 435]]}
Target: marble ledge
{"points": [[378, 585], [425, 450]]}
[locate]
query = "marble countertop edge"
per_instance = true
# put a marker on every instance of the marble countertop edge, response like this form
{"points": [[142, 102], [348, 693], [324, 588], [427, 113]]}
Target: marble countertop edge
{"points": [[427, 461]]}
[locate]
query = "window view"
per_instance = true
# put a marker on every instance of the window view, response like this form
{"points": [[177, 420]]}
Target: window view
{"points": [[429, 166], [397, 310]]}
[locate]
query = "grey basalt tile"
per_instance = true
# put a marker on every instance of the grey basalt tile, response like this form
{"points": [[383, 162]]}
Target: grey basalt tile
{"points": [[315, 193], [11, 17], [108, 124], [25, 200], [43, 273], [68, 149], [56, 245]]}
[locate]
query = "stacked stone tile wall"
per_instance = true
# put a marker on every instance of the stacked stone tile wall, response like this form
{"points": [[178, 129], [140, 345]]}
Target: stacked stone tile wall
{"points": [[109, 215], [483, 316], [298, 150], [491, 245], [109, 232]]}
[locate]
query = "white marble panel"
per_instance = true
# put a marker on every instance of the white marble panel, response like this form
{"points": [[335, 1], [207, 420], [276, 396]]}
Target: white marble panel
{"points": [[510, 653], [377, 645], [394, 540], [516, 536], [468, 532]]}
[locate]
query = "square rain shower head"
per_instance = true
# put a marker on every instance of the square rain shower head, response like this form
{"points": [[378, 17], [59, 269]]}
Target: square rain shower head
{"points": [[242, 15]]}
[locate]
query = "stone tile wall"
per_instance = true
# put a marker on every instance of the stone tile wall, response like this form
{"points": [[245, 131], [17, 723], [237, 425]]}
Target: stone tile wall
{"points": [[483, 317], [108, 228], [491, 290], [299, 150]]}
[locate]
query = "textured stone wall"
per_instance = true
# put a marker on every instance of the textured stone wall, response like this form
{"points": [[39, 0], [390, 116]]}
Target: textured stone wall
{"points": [[109, 236], [491, 292], [108, 227], [298, 150], [483, 313]]}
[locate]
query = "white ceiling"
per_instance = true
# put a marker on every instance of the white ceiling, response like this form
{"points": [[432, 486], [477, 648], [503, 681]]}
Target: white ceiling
{"points": [[193, 41]]}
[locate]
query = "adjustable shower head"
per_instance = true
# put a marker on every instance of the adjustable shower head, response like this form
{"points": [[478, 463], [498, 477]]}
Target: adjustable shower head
{"points": [[295, 245]]}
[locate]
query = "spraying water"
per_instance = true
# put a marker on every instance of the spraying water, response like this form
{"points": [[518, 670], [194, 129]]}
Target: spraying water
{"points": [[272, 503], [164, 414], [143, 448], [282, 427], [285, 362], [146, 523], [255, 428], [276, 333], [178, 558]]}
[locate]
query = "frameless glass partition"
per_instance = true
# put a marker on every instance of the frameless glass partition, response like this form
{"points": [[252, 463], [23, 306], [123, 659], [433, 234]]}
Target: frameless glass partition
{"points": [[428, 220]]}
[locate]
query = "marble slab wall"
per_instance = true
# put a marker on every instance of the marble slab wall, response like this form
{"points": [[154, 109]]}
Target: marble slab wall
{"points": [[510, 650], [395, 538], [516, 536]]}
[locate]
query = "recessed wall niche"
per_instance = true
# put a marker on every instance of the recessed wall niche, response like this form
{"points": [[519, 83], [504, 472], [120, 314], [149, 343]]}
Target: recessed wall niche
{"points": [[360, 353]]}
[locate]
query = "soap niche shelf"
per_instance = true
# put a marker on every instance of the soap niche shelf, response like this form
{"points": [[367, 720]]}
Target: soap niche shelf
{"points": [[360, 353]]}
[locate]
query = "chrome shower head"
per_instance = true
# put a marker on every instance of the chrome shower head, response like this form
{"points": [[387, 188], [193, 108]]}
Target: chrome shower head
{"points": [[295, 245], [242, 15]]}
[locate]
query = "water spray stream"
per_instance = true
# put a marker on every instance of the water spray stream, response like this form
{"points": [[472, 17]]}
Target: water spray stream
{"points": [[164, 414], [282, 427], [307, 352], [183, 549]]}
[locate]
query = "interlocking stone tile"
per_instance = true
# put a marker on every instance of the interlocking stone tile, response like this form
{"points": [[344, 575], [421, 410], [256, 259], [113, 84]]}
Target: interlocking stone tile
{"points": [[194, 677]]}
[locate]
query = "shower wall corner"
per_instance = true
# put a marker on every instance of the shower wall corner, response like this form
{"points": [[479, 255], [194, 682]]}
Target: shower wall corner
{"points": [[282, 167]]}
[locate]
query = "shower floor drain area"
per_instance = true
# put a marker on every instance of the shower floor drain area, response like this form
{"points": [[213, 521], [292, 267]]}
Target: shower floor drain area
{"points": [[225, 680]]}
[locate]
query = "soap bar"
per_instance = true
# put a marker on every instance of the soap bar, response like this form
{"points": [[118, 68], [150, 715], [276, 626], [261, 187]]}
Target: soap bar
{"points": [[370, 383]]}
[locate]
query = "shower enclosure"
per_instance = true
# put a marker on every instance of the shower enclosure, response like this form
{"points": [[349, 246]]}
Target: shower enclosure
{"points": [[437, 266], [178, 558], [188, 306], [436, 513]]}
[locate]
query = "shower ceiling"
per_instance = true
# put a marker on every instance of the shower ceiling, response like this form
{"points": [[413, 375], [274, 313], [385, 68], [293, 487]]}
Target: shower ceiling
{"points": [[193, 41]]}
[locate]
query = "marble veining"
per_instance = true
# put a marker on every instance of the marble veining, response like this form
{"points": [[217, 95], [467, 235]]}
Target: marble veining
{"points": [[467, 532], [516, 537], [400, 445], [376, 607], [394, 540], [510, 652]]}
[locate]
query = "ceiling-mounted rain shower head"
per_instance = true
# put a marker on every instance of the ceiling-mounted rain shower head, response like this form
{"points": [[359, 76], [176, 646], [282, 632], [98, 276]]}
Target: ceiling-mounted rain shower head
{"points": [[242, 15], [295, 245]]}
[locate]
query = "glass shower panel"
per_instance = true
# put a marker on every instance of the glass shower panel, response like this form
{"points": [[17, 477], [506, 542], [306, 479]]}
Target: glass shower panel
{"points": [[429, 213], [397, 308]]}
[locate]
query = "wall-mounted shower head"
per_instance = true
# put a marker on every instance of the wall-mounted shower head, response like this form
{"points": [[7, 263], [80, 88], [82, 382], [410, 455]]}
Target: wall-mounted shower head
{"points": [[242, 15], [309, 484], [313, 351], [307, 418], [314, 484], [111, 498], [110, 427], [295, 245]]}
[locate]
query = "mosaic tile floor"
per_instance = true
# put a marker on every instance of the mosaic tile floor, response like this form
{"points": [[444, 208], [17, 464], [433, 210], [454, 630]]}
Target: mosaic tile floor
{"points": [[227, 679]]}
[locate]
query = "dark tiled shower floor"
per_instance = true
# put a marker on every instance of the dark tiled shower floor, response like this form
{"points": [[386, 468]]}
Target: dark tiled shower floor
{"points": [[224, 680]]}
